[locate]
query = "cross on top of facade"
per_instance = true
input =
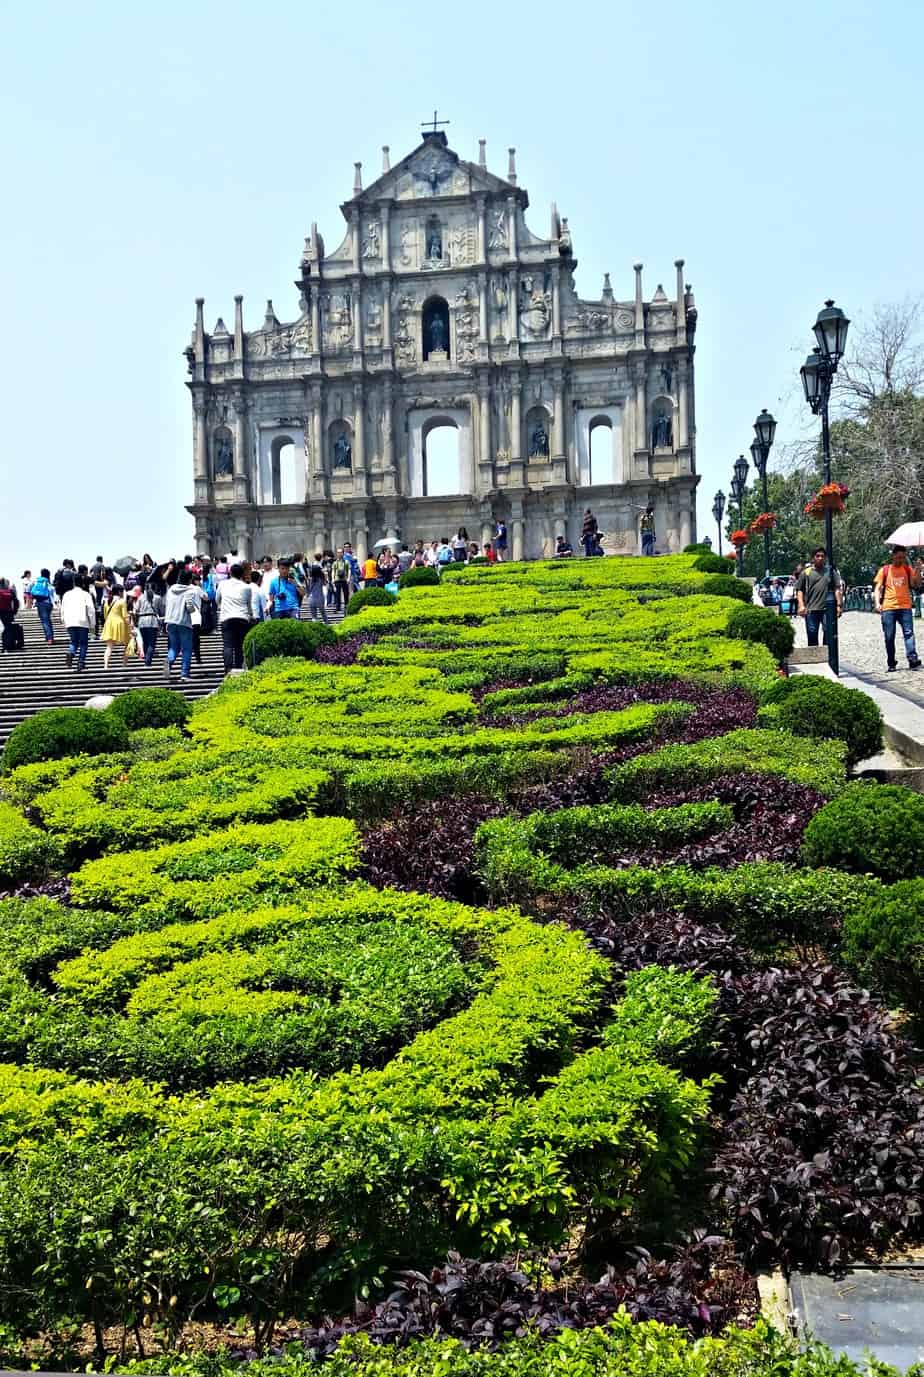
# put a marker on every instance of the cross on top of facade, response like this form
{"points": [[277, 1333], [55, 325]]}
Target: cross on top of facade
{"points": [[432, 126]]}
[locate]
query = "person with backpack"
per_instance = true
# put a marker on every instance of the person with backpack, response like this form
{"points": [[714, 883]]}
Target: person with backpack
{"points": [[500, 540], [589, 532], [282, 594], [444, 554], [647, 530], [149, 616], [317, 590], [340, 573], [43, 600], [65, 577], [181, 602], [812, 595], [78, 613], [892, 590], [12, 638]]}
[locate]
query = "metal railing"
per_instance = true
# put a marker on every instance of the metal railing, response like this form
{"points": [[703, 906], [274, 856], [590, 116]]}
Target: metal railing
{"points": [[861, 600]]}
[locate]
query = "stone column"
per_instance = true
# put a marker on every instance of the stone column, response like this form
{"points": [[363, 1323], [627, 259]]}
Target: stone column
{"points": [[360, 534], [682, 438], [386, 315], [483, 308], [516, 439], [388, 437], [318, 457], [357, 309], [516, 531], [639, 310], [512, 226], [241, 475], [239, 335], [681, 309], [356, 237], [685, 524], [315, 319], [513, 301], [556, 303], [200, 442], [482, 233], [484, 403], [359, 447], [558, 410], [385, 210], [641, 409]]}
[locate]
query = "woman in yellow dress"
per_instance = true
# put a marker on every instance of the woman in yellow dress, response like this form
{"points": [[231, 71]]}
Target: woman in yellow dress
{"points": [[117, 629]]}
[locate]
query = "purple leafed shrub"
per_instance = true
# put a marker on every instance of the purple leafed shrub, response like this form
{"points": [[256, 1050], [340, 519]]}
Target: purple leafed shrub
{"points": [[431, 848], [59, 889], [345, 650], [700, 1289]]}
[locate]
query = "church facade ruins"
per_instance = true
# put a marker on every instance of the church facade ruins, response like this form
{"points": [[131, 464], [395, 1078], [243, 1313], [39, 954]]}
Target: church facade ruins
{"points": [[443, 372]]}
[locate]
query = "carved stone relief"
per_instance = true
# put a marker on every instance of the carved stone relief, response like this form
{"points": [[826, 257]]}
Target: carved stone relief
{"points": [[256, 346], [497, 230], [499, 298], [373, 329], [406, 334], [462, 245], [466, 317], [301, 337], [408, 246], [372, 243], [625, 320], [535, 306], [338, 319]]}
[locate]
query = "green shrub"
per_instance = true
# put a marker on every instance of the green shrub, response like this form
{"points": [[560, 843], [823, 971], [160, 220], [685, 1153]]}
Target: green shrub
{"points": [[285, 637], [150, 707], [665, 1012], [727, 586], [418, 578], [58, 732], [26, 852], [708, 563], [808, 705], [884, 942], [818, 764], [871, 829], [763, 626], [370, 597]]}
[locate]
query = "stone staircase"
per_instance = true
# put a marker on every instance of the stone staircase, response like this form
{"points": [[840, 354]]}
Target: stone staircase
{"points": [[37, 677]]}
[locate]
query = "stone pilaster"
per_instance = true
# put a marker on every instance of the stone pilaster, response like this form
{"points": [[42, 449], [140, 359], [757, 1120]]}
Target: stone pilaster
{"points": [[240, 404]]}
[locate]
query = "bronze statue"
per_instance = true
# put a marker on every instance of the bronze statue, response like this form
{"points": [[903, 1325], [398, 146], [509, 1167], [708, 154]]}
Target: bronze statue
{"points": [[224, 458], [437, 335], [343, 453], [539, 441]]}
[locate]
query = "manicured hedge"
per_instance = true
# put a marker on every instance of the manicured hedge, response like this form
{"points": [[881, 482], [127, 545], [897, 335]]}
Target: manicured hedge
{"points": [[872, 829], [418, 577], [809, 705], [369, 597], [884, 942], [57, 732], [285, 637], [26, 852], [765, 627], [150, 707], [819, 764]]}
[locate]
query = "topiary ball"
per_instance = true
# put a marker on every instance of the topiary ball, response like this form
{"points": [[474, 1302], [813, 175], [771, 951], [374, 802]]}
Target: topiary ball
{"points": [[415, 578], [884, 942], [763, 626], [809, 705], [285, 637], [871, 829], [57, 732], [708, 563], [369, 597], [725, 585], [150, 707]]}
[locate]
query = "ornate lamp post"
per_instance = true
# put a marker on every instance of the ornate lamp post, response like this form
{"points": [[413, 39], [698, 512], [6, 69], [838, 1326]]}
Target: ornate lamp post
{"points": [[718, 511], [764, 430], [817, 376], [739, 483]]}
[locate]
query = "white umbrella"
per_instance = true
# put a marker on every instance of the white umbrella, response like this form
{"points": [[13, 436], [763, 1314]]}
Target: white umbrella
{"points": [[911, 533], [388, 542]]}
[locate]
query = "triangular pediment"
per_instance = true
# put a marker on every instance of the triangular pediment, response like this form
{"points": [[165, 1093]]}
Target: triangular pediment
{"points": [[431, 170]]}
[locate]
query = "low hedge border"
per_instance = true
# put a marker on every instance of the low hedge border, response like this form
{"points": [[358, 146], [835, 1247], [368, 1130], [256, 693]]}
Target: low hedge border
{"points": [[26, 852], [818, 764]]}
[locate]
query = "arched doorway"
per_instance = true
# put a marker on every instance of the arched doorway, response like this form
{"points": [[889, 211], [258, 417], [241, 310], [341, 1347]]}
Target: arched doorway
{"points": [[282, 470], [436, 329], [441, 468], [602, 468]]}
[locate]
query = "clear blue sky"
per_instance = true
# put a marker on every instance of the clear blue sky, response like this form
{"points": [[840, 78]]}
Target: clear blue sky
{"points": [[155, 152]]}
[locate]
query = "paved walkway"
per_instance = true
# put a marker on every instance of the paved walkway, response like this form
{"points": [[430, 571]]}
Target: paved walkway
{"points": [[862, 651]]}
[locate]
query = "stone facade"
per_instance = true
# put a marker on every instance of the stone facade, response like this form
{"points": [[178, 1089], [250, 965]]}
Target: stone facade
{"points": [[441, 308]]}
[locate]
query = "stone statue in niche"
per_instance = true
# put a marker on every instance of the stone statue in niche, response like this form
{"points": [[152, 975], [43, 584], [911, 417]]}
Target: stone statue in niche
{"points": [[371, 242], [539, 442], [662, 431], [224, 458], [434, 242], [343, 453], [535, 307], [437, 340], [497, 234], [373, 318]]}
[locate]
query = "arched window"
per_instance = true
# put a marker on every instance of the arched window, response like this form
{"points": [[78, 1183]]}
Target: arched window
{"points": [[436, 329], [538, 434], [222, 453], [602, 468], [282, 470], [441, 470]]}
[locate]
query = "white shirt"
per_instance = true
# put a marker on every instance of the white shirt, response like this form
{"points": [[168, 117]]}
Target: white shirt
{"points": [[78, 609], [233, 599]]}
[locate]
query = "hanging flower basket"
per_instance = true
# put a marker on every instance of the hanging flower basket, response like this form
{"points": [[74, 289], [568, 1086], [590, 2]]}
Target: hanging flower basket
{"points": [[731, 555], [765, 522], [739, 538], [830, 498]]}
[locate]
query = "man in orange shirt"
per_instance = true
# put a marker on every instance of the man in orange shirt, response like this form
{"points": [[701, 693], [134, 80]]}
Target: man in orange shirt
{"points": [[892, 588], [370, 572]]}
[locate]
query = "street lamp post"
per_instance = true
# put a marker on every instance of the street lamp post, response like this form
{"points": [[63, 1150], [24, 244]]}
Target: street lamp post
{"points": [[718, 511], [817, 376], [739, 483], [764, 430]]}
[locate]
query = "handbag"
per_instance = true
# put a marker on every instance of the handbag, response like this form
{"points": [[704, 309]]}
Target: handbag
{"points": [[131, 647]]}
